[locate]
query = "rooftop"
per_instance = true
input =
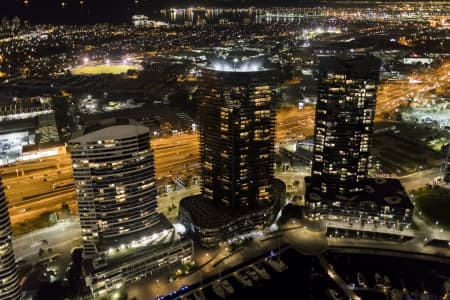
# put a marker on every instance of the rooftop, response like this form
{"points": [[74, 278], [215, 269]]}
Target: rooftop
{"points": [[162, 225], [111, 132], [237, 60], [207, 214], [361, 66], [378, 191]]}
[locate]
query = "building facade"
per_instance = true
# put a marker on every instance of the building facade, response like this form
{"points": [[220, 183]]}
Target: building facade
{"points": [[340, 189], [237, 136], [237, 130], [9, 279], [147, 261], [212, 226], [446, 167], [125, 239], [345, 112], [114, 176]]}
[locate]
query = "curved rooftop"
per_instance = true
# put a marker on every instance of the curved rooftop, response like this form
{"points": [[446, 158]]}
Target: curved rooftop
{"points": [[112, 132], [237, 60]]}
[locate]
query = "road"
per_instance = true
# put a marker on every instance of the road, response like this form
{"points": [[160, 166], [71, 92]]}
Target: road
{"points": [[173, 198], [419, 179], [31, 186], [295, 233], [179, 155], [60, 235]]}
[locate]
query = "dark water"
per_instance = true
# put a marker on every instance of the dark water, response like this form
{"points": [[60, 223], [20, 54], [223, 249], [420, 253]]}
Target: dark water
{"points": [[118, 11], [305, 278], [415, 276]]}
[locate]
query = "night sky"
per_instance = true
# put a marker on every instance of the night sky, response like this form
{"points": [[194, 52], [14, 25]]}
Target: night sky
{"points": [[115, 11]]}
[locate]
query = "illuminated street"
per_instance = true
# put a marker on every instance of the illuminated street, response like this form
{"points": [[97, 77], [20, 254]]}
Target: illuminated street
{"points": [[303, 240], [224, 149], [61, 237]]}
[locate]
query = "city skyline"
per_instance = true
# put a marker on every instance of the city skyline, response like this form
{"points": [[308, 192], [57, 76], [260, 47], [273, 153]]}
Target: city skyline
{"points": [[224, 150]]}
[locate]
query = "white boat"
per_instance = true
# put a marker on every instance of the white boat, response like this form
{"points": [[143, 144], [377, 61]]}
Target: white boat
{"points": [[218, 289], [378, 280], [276, 264], [387, 281], [227, 286], [261, 271], [333, 294], [199, 295], [361, 280], [243, 279], [252, 274]]}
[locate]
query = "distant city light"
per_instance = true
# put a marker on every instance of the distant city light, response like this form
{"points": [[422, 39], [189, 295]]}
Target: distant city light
{"points": [[244, 67], [37, 155], [179, 228]]}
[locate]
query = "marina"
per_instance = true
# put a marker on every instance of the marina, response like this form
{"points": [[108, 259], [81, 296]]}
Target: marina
{"points": [[367, 276]]}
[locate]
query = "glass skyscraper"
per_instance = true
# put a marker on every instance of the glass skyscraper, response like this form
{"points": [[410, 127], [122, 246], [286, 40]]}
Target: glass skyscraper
{"points": [[9, 280], [340, 188], [237, 136], [345, 111], [237, 129], [114, 176]]}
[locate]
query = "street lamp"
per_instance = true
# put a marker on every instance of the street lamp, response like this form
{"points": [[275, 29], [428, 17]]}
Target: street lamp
{"points": [[157, 286]]}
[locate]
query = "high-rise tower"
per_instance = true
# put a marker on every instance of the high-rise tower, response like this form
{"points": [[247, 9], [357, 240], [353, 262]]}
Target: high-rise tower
{"points": [[125, 238], [237, 136], [345, 113], [9, 280], [237, 129], [339, 187], [114, 176]]}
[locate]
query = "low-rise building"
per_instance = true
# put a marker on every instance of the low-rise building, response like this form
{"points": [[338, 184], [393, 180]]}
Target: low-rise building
{"points": [[383, 202], [210, 224], [137, 260]]}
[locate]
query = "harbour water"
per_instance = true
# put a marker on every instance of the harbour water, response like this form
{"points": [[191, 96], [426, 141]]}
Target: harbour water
{"points": [[305, 278]]}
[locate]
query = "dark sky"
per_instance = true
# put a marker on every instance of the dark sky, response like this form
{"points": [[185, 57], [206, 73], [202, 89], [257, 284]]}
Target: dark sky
{"points": [[115, 11], [51, 11]]}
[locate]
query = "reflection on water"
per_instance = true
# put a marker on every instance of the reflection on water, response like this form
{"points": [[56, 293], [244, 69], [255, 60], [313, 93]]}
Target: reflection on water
{"points": [[244, 15], [371, 277], [212, 16]]}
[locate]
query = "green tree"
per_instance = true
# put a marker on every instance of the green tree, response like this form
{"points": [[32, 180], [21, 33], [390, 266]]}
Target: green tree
{"points": [[52, 218]]}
